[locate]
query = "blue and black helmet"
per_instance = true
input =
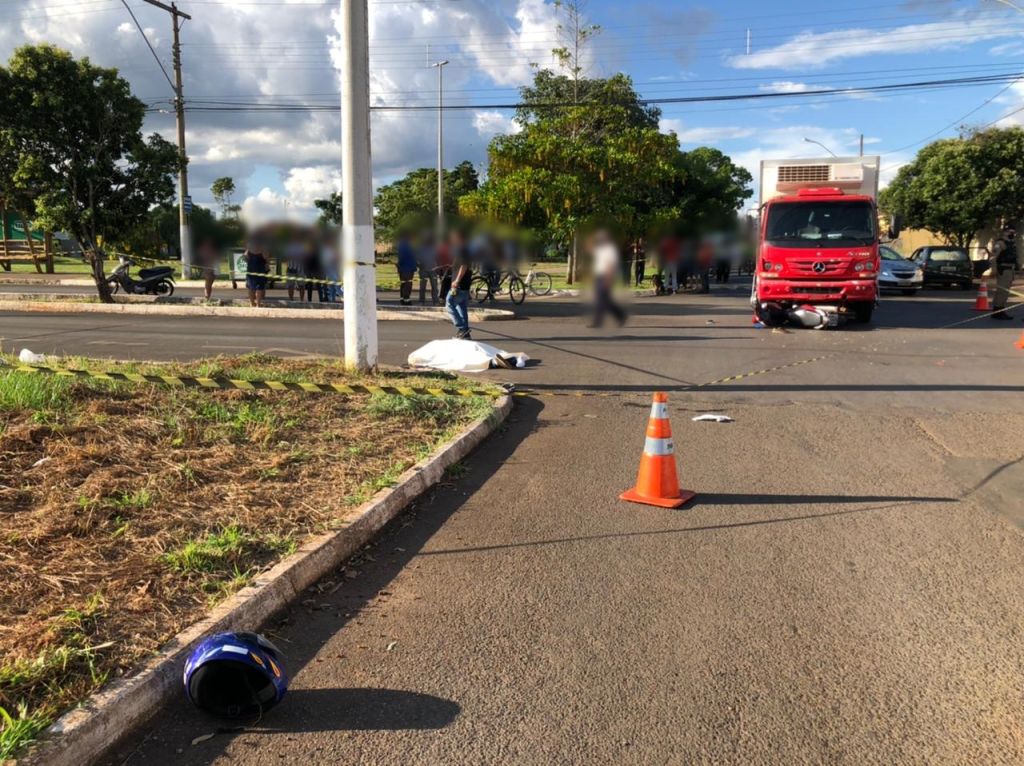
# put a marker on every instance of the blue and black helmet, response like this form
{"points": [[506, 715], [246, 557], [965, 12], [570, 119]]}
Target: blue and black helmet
{"points": [[235, 675]]}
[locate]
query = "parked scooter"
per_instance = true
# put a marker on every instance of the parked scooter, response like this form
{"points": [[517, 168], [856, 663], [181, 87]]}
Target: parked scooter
{"points": [[156, 281]]}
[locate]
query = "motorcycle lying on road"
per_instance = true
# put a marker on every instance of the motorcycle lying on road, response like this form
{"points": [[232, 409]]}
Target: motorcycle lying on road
{"points": [[156, 281]]}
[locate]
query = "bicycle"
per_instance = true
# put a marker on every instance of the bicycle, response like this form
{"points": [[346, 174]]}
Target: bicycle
{"points": [[538, 283], [486, 287]]}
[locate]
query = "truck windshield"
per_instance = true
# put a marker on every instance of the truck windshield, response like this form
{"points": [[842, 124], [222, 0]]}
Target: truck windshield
{"points": [[817, 224]]}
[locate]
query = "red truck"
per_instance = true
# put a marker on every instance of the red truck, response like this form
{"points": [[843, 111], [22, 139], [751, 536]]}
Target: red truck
{"points": [[819, 235]]}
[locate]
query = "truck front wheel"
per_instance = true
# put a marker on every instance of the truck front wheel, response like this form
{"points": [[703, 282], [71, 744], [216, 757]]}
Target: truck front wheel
{"points": [[862, 312]]}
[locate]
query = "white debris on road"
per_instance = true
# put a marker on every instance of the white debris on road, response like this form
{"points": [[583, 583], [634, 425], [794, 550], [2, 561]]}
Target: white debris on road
{"points": [[713, 418]]}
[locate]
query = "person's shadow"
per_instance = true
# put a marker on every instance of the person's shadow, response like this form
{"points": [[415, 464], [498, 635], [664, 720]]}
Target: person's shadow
{"points": [[313, 710]]}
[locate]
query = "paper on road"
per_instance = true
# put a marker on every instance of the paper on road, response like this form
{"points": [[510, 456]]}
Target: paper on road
{"points": [[713, 418], [461, 356]]}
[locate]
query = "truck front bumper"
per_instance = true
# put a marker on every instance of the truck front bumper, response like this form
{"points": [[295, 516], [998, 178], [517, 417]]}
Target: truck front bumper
{"points": [[852, 290]]}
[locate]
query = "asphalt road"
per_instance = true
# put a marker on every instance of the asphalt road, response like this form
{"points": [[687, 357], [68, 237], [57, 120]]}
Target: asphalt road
{"points": [[846, 588]]}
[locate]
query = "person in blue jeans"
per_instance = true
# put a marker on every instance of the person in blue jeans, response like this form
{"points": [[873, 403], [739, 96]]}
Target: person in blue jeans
{"points": [[457, 301], [406, 268]]}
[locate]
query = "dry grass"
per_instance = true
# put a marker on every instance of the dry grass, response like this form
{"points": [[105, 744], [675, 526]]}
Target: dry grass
{"points": [[153, 503]]}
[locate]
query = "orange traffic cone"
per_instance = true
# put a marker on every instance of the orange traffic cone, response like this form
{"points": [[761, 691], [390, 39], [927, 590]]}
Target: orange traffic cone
{"points": [[657, 482], [1020, 344], [981, 303]]}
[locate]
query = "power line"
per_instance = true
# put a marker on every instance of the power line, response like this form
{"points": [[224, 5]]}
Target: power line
{"points": [[215, 106], [149, 45]]}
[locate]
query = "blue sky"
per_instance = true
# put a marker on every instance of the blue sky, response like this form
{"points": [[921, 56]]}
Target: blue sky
{"points": [[277, 51]]}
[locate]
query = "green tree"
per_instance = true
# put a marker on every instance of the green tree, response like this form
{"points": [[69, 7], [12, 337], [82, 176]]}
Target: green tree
{"points": [[223, 189], [159, 234], [75, 131], [604, 161], [958, 186], [411, 202], [330, 209]]}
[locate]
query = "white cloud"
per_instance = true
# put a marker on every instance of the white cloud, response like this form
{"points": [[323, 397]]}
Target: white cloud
{"points": [[305, 185], [266, 205], [489, 124], [816, 49], [705, 135], [1008, 49]]}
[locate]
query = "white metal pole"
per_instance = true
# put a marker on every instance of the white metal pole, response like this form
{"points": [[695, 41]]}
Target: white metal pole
{"points": [[440, 150], [357, 190]]}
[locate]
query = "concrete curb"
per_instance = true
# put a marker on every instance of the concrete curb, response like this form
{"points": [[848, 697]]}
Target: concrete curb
{"points": [[383, 314], [85, 733]]}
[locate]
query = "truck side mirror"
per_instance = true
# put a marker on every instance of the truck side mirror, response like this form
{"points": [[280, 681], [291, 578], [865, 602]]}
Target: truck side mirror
{"points": [[895, 226]]}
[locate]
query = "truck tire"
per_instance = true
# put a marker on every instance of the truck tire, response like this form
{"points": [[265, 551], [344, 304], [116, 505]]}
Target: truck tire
{"points": [[862, 312]]}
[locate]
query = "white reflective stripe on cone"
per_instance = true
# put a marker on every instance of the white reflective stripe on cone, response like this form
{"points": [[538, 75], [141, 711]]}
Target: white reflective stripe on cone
{"points": [[659, 411], [657, 447]]}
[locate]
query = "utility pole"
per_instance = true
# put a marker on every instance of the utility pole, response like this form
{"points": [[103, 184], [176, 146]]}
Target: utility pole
{"points": [[184, 203], [357, 190], [861, 144], [440, 149]]}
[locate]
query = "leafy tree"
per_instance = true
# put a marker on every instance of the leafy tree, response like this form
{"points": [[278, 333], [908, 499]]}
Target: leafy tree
{"points": [[411, 202], [604, 161], [330, 209], [223, 189], [958, 186], [160, 233], [74, 131]]}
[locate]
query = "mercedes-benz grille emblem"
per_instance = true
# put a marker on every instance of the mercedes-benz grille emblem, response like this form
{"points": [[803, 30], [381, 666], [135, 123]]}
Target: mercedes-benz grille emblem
{"points": [[819, 268]]}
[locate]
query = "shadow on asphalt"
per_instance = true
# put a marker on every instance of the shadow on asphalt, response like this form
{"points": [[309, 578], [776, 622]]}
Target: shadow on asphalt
{"points": [[603, 360], [304, 632], [897, 502], [361, 710]]}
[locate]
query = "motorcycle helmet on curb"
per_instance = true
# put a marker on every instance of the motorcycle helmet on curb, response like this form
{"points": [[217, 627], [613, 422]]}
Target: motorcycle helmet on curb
{"points": [[235, 675]]}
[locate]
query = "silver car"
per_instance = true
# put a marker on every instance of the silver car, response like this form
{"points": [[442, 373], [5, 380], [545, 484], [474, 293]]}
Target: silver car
{"points": [[897, 273]]}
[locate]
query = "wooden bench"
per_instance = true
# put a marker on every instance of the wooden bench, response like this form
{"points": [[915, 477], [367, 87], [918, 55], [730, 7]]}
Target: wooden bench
{"points": [[17, 251]]}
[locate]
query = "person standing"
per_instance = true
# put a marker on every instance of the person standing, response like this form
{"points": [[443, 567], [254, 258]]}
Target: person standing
{"points": [[426, 262], [406, 268], [330, 266], [444, 267], [208, 261], [669, 255], [457, 301], [257, 265], [639, 263], [294, 256], [1005, 255], [605, 254]]}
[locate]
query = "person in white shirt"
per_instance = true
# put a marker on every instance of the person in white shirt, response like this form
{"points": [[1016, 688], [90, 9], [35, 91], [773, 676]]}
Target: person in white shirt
{"points": [[607, 264]]}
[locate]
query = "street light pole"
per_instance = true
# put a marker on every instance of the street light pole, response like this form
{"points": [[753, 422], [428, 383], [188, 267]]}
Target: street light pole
{"points": [[357, 249], [812, 141], [440, 149], [184, 214]]}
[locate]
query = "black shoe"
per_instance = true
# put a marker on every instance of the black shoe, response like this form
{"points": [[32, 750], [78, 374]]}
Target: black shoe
{"points": [[1002, 315]]}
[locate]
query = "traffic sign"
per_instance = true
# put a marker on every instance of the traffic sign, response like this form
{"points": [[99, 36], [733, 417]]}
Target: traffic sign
{"points": [[187, 204]]}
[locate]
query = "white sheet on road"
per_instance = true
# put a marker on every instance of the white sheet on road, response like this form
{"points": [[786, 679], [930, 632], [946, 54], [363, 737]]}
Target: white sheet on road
{"points": [[460, 356]]}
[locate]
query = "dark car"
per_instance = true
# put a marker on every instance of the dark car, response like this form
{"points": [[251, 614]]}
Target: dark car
{"points": [[945, 266]]}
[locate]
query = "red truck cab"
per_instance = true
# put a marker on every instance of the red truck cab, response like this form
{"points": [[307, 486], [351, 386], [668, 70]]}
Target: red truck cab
{"points": [[818, 245]]}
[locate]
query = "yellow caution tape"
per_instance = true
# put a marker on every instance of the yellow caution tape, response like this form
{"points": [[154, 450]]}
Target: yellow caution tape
{"points": [[182, 381]]}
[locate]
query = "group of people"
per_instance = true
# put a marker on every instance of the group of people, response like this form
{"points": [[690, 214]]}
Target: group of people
{"points": [[689, 263], [310, 265], [443, 265], [431, 261]]}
